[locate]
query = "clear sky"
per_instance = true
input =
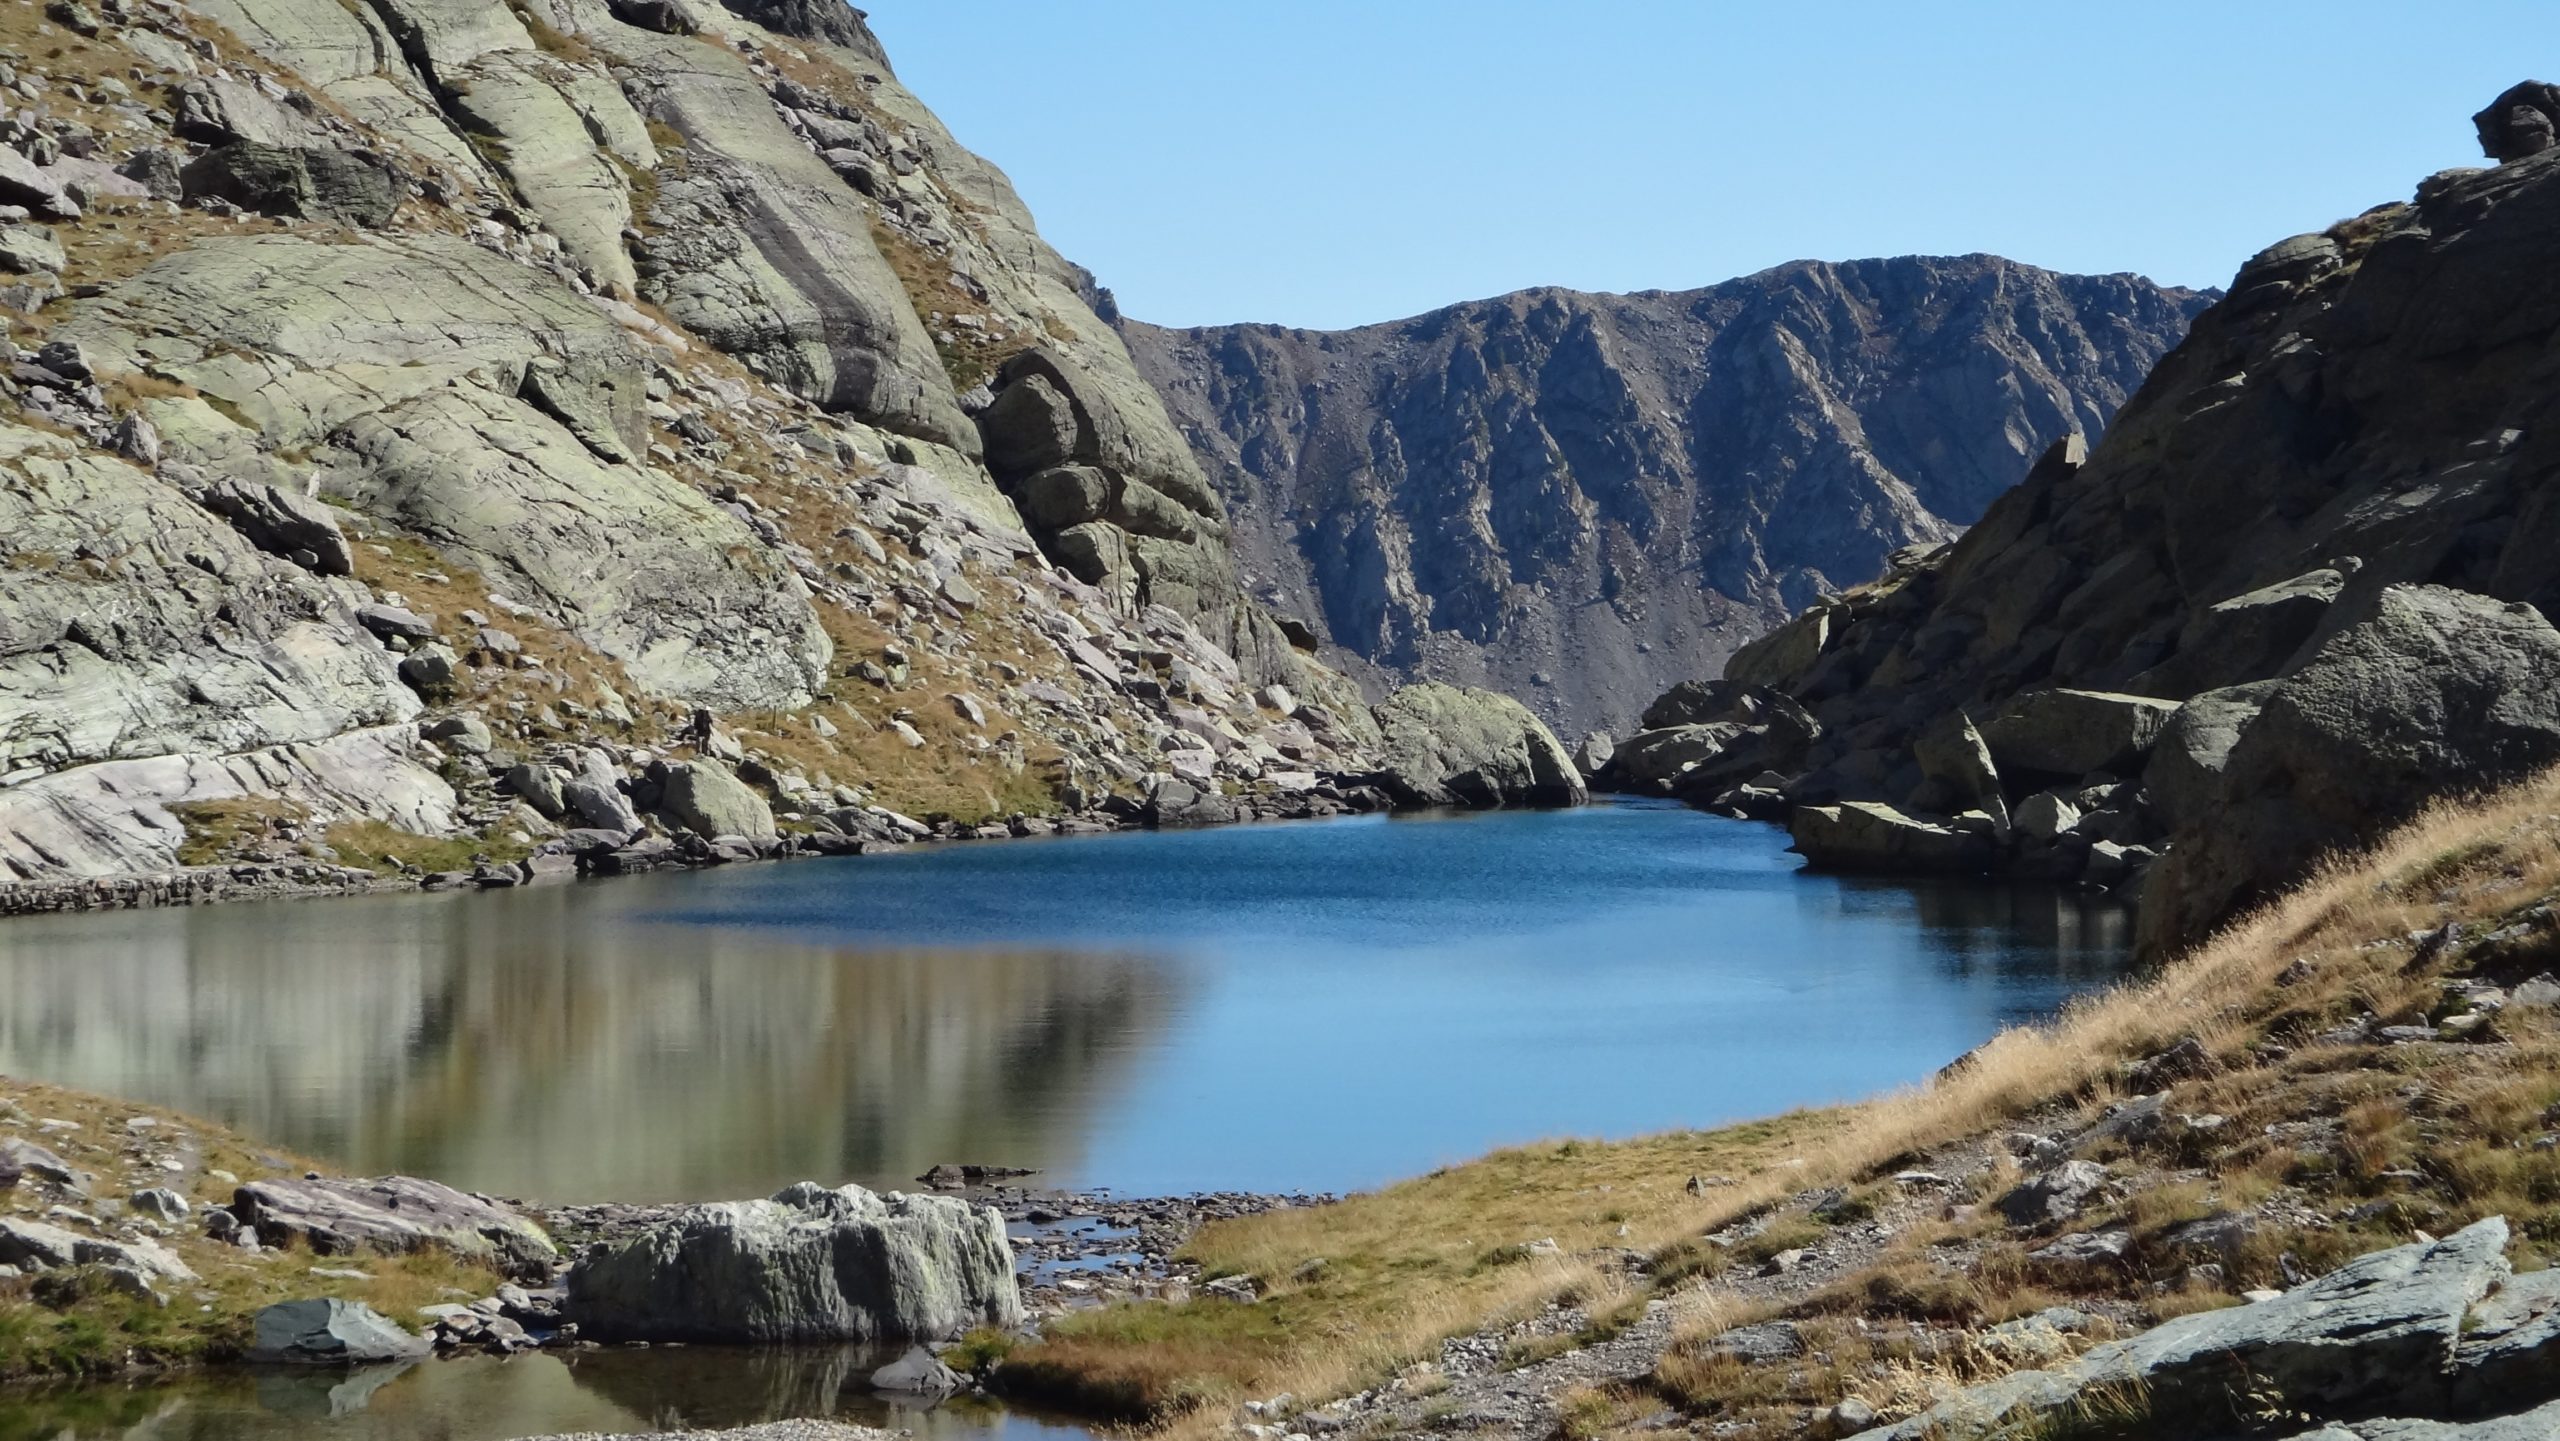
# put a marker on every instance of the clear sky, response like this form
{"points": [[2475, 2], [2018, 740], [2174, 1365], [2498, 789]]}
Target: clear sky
{"points": [[1334, 162]]}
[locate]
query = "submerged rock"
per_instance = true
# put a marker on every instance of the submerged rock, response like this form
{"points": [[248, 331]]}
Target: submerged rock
{"points": [[917, 1373]]}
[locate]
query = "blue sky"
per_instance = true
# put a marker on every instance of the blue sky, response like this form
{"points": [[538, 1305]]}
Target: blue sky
{"points": [[1330, 163]]}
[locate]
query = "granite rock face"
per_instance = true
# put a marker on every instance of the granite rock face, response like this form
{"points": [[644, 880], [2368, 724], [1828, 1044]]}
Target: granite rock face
{"points": [[1615, 492], [810, 1265], [2311, 559], [430, 388]]}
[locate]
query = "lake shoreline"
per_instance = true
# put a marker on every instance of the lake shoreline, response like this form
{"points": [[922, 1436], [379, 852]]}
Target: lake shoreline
{"points": [[249, 882]]}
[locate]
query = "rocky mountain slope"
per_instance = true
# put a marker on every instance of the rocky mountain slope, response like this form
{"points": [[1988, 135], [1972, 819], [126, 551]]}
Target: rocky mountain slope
{"points": [[2297, 593], [1583, 498], [435, 425]]}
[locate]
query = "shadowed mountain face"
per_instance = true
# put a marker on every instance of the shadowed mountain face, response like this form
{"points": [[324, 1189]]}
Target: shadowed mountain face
{"points": [[1582, 498]]}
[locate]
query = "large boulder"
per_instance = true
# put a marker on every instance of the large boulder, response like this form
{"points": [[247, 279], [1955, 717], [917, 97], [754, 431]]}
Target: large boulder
{"points": [[2248, 637], [1784, 658], [1874, 837], [1448, 746], [2377, 1336], [706, 799], [282, 523], [1594, 753], [2539, 1424], [2071, 733], [300, 181], [331, 1333], [810, 1265], [2510, 1351], [396, 1215], [2184, 777], [38, 1246], [1663, 759], [2436, 692], [1957, 769]]}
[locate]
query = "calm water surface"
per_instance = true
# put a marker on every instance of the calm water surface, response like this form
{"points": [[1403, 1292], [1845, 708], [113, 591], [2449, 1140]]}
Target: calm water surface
{"points": [[1309, 1006]]}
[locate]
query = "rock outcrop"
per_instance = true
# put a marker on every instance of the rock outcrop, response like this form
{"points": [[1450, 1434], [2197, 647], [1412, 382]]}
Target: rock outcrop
{"points": [[397, 1215], [809, 1265], [407, 393], [1580, 498], [2438, 1329], [2295, 593]]}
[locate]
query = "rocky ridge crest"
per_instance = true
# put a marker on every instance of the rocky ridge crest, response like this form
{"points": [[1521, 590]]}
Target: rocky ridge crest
{"points": [[1583, 498]]}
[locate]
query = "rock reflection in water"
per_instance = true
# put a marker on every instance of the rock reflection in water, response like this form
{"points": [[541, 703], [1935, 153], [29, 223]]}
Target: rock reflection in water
{"points": [[489, 1399], [2000, 929], [541, 1043]]}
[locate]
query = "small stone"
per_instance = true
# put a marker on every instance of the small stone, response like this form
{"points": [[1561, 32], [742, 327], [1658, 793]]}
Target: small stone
{"points": [[917, 1373], [161, 1204]]}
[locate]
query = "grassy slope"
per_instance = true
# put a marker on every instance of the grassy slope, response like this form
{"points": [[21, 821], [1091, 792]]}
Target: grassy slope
{"points": [[46, 1332], [2369, 1142]]}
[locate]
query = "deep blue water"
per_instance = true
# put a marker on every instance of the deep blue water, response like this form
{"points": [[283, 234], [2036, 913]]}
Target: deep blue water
{"points": [[1309, 1006], [1365, 999]]}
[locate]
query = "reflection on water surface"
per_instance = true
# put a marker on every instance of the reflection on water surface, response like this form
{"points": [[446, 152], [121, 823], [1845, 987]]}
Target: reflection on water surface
{"points": [[1306, 1006], [485, 1398]]}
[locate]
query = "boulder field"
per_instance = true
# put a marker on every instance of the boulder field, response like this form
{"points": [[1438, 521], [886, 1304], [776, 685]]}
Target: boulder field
{"points": [[2298, 592]]}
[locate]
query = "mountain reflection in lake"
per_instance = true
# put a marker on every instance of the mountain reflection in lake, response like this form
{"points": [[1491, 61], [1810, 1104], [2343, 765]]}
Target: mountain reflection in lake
{"points": [[1273, 1007], [546, 1042]]}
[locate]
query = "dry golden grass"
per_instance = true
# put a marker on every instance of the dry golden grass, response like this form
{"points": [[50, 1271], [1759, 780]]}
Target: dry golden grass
{"points": [[1405, 1268]]}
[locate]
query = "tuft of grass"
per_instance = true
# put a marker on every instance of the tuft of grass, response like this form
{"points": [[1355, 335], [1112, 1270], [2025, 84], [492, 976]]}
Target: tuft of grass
{"points": [[391, 851], [217, 830]]}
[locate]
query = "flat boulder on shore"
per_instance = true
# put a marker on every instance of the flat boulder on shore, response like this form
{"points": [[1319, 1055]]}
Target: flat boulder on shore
{"points": [[809, 1265], [395, 1215]]}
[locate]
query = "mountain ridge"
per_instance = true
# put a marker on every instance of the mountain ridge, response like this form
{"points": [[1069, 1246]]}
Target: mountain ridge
{"points": [[1618, 446]]}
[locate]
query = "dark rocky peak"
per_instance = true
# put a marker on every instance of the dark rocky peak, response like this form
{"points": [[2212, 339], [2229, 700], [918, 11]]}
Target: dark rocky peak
{"points": [[2519, 123], [832, 22]]}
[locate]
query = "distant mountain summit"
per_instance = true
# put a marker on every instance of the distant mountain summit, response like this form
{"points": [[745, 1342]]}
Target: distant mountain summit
{"points": [[1582, 498]]}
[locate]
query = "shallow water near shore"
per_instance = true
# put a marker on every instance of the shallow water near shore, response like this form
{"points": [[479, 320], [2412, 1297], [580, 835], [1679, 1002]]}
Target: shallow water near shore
{"points": [[486, 1398], [1315, 1006]]}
